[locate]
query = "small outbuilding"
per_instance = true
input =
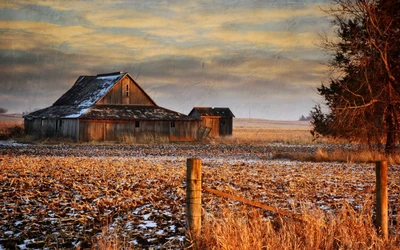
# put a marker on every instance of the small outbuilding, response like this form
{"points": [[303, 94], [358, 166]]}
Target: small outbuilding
{"points": [[215, 121], [110, 107]]}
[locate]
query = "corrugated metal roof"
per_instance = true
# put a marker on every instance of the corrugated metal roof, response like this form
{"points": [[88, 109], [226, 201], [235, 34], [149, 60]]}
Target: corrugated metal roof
{"points": [[133, 112], [211, 111]]}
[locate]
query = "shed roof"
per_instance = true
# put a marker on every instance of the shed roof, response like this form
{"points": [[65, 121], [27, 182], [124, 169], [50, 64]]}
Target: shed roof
{"points": [[212, 111]]}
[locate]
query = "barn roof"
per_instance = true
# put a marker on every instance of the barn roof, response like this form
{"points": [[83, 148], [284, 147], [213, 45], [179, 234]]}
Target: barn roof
{"points": [[212, 111], [110, 112], [132, 112], [88, 90], [64, 111], [79, 102]]}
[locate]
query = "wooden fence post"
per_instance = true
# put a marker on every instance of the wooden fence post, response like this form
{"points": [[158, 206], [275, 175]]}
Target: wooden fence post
{"points": [[193, 196], [382, 219]]}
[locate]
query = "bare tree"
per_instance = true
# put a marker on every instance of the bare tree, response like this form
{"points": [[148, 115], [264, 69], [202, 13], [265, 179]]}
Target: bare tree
{"points": [[3, 110], [363, 96]]}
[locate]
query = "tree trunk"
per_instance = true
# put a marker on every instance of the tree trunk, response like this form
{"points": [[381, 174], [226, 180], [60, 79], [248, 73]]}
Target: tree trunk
{"points": [[390, 142], [391, 132]]}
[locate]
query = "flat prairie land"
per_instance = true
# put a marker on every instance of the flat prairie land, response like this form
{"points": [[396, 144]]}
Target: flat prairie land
{"points": [[114, 196], [259, 132], [270, 124], [11, 118], [133, 196]]}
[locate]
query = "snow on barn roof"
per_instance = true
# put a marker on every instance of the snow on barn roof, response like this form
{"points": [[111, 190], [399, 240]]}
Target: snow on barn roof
{"points": [[133, 112], [211, 111], [65, 111], [88, 90]]}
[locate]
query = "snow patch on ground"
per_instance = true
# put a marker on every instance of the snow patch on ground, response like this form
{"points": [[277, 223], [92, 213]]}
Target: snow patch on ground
{"points": [[11, 144]]}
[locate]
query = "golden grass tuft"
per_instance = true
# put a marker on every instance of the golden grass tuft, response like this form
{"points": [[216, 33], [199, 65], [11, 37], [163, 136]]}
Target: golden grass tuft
{"points": [[11, 129], [241, 229]]}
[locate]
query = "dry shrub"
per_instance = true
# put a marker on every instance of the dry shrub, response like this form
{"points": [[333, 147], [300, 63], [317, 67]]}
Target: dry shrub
{"points": [[349, 229], [338, 155], [110, 240], [10, 130]]}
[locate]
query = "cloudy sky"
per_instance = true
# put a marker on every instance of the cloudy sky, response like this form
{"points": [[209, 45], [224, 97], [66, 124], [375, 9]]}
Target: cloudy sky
{"points": [[258, 57]]}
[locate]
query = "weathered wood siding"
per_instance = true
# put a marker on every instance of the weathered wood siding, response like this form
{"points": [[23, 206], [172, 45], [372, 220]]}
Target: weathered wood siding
{"points": [[46, 128], [184, 131], [225, 126], [213, 123], [126, 92], [33, 127], [146, 132]]}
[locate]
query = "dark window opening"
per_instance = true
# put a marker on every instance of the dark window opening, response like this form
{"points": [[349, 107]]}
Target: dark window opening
{"points": [[173, 124], [127, 90], [137, 124]]}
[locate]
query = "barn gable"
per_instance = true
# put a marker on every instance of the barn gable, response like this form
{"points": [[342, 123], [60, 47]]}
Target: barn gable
{"points": [[126, 91], [113, 88], [95, 90]]}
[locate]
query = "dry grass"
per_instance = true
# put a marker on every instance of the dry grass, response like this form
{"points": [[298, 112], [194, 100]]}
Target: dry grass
{"points": [[338, 155], [11, 129], [250, 229], [259, 136]]}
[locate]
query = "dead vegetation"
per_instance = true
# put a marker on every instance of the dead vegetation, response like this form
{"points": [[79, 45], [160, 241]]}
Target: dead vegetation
{"points": [[248, 229], [11, 130], [121, 196]]}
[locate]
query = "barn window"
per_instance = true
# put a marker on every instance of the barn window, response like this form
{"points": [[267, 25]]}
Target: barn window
{"points": [[127, 90], [172, 124], [137, 124], [59, 123]]}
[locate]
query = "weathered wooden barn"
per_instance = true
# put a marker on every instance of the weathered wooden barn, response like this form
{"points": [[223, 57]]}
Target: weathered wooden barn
{"points": [[216, 121], [110, 107]]}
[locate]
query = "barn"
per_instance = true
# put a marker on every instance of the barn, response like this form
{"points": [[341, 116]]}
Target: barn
{"points": [[110, 107], [215, 121]]}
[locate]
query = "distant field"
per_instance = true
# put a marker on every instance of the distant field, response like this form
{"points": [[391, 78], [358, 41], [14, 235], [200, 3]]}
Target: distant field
{"points": [[8, 118], [260, 131], [270, 124]]}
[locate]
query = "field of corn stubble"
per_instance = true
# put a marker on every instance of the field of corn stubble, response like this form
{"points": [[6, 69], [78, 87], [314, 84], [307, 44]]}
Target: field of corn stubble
{"points": [[75, 196]]}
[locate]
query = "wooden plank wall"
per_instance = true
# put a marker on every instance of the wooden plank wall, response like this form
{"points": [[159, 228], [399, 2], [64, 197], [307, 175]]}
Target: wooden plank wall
{"points": [[226, 126], [147, 132], [46, 128], [213, 123], [117, 95]]}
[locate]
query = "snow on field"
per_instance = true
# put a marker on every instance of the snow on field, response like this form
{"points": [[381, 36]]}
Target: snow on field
{"points": [[69, 196], [7, 144]]}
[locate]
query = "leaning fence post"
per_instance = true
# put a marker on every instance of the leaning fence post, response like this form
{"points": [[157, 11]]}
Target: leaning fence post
{"points": [[193, 195], [382, 218]]}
